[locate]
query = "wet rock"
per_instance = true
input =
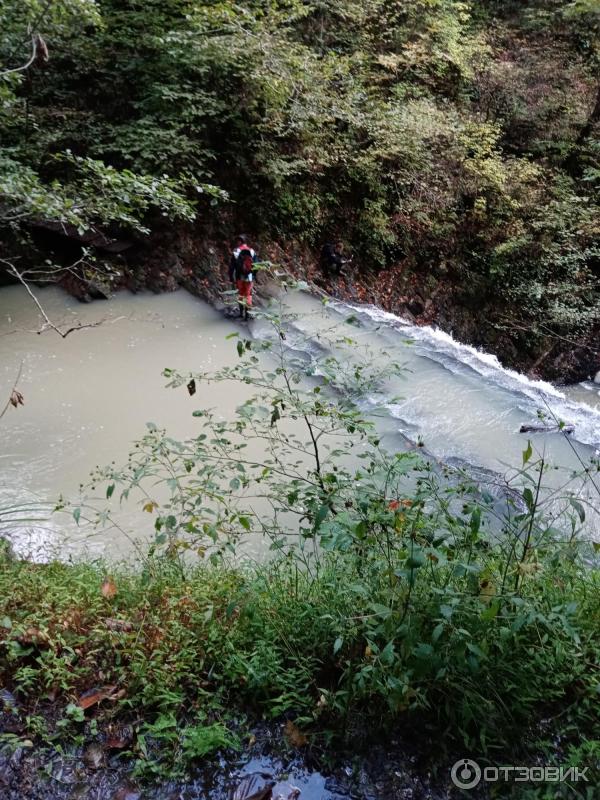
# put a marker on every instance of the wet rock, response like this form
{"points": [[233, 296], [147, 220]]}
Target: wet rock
{"points": [[93, 756], [7, 700], [257, 786], [17, 756], [99, 290], [9, 764], [597, 377], [126, 792], [416, 306], [119, 737]]}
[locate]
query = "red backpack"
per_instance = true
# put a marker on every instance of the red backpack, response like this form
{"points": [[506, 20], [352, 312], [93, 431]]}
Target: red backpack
{"points": [[245, 262]]}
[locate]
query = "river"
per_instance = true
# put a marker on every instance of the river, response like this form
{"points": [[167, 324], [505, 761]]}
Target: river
{"points": [[89, 395]]}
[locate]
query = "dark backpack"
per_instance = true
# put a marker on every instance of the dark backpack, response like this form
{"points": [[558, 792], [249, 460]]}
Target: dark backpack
{"points": [[244, 262]]}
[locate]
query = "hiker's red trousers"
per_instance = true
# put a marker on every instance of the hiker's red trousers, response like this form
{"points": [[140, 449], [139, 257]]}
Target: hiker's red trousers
{"points": [[245, 292]]}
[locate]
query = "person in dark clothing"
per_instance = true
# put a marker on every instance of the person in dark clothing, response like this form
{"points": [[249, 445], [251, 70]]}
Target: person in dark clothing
{"points": [[332, 258], [241, 274]]}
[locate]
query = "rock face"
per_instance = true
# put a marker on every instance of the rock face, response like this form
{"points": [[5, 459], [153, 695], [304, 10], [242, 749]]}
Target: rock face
{"points": [[597, 377], [480, 325]]}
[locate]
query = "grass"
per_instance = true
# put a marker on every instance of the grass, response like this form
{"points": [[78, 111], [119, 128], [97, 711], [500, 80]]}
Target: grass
{"points": [[179, 653]]}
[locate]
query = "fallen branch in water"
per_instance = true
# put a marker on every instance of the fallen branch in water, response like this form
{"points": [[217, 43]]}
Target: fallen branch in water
{"points": [[547, 428], [48, 324]]}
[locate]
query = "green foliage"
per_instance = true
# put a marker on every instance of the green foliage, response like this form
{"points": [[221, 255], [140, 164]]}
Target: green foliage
{"points": [[168, 748], [97, 194], [340, 648]]}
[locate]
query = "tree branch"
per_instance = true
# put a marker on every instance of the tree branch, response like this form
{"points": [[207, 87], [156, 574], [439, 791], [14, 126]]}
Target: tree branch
{"points": [[34, 46], [31, 30], [12, 270]]}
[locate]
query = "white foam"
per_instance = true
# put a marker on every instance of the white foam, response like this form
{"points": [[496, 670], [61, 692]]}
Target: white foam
{"points": [[537, 394]]}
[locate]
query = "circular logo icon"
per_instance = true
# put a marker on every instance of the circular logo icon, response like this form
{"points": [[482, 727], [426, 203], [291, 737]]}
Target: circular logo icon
{"points": [[466, 774]]}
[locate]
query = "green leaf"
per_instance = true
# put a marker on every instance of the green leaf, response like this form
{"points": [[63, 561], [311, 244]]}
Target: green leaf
{"points": [[75, 712], [76, 514], [527, 453], [476, 650], [423, 651], [337, 644], [388, 654], [578, 508], [437, 632], [416, 559], [321, 516], [231, 608], [380, 610], [528, 497], [475, 520], [491, 612], [240, 348], [109, 491]]}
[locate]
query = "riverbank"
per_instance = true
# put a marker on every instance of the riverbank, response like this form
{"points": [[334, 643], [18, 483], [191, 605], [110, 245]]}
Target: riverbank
{"points": [[167, 676], [137, 682], [437, 295], [431, 292], [424, 295]]}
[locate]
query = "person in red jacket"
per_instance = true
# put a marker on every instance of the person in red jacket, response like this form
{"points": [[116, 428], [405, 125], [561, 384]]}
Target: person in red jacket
{"points": [[241, 268]]}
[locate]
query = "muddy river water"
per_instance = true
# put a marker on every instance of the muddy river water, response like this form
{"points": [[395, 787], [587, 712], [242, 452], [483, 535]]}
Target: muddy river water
{"points": [[89, 395]]}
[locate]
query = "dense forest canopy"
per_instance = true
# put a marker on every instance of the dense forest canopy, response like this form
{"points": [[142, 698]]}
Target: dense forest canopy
{"points": [[454, 139]]}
